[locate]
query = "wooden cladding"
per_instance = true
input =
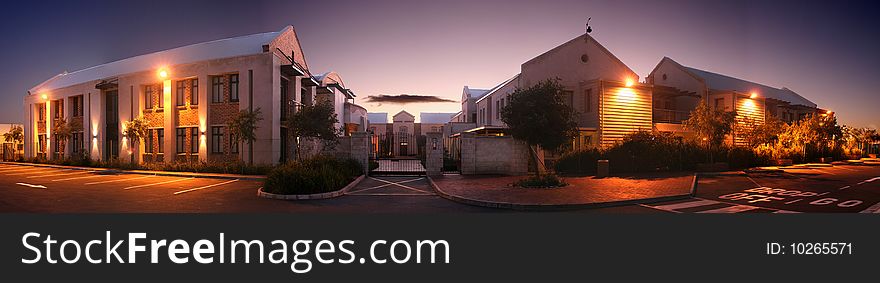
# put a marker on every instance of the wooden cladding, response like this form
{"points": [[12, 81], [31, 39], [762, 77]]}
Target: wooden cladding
{"points": [[622, 111], [749, 113]]}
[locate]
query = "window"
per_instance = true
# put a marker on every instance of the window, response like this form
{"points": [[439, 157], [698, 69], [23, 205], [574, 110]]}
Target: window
{"points": [[41, 143], [719, 104], [233, 88], [55, 146], [181, 93], [76, 142], [194, 140], [41, 112], [148, 142], [148, 97], [160, 135], [216, 139], [57, 109], [233, 145], [285, 84], [568, 97], [194, 92], [181, 140], [216, 89], [588, 100], [77, 102]]}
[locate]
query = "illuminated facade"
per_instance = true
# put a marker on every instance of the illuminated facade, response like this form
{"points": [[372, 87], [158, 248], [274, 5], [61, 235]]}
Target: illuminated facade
{"points": [[186, 95]]}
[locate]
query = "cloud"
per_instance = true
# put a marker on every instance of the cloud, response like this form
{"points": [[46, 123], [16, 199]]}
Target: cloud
{"points": [[405, 98]]}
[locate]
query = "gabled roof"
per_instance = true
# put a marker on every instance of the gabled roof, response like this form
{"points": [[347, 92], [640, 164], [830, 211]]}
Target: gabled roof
{"points": [[499, 86], [435, 118], [475, 93], [403, 112], [223, 48], [592, 40], [722, 82], [377, 118]]}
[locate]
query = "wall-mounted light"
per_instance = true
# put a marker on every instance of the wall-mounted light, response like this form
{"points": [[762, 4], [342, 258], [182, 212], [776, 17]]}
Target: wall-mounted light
{"points": [[753, 95], [630, 82], [44, 96], [163, 73]]}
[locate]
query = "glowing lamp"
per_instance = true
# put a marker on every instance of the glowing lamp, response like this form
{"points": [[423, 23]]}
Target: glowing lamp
{"points": [[754, 95], [629, 82], [44, 96], [163, 74]]}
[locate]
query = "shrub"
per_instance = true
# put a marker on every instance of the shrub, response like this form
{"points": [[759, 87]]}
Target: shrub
{"points": [[541, 181], [319, 174], [579, 162]]}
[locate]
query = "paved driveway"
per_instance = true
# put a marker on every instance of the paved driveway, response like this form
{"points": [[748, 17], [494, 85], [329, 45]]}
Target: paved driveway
{"points": [[844, 188]]}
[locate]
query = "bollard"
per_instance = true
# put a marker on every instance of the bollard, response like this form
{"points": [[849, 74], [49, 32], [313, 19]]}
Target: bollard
{"points": [[602, 169]]}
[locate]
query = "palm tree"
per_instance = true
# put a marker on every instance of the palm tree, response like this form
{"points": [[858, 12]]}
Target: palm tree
{"points": [[15, 136], [135, 131], [61, 130]]}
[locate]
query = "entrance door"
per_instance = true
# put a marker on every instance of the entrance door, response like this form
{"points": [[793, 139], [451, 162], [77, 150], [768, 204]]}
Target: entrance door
{"points": [[111, 136]]}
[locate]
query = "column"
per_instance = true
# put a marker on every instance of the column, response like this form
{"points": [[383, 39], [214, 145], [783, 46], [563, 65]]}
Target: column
{"points": [[468, 154], [434, 153]]}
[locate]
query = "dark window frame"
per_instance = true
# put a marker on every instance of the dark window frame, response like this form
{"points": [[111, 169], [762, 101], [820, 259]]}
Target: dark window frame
{"points": [[194, 140], [160, 134], [180, 140], [148, 142], [194, 92], [181, 93], [217, 139], [216, 89], [148, 97], [233, 88]]}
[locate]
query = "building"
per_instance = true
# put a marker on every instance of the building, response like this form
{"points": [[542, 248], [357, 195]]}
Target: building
{"points": [[187, 95], [610, 102], [404, 137], [678, 89], [11, 149], [352, 117]]}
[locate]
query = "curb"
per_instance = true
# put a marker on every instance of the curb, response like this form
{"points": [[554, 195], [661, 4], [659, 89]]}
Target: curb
{"points": [[144, 172], [558, 207], [333, 194]]}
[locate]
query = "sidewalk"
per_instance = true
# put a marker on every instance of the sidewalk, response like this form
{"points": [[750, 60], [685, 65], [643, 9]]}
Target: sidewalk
{"points": [[581, 192], [147, 172]]}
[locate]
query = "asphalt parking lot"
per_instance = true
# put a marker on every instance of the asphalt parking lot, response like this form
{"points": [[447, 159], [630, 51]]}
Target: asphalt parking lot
{"points": [[838, 189]]}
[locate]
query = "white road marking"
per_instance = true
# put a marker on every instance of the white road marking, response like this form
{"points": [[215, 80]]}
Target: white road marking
{"points": [[385, 185], [153, 184], [689, 204], [84, 177], [34, 172], [730, 209], [63, 174], [402, 186], [873, 209], [868, 180], [119, 180], [843, 188], [794, 201], [25, 169], [205, 187], [753, 181], [31, 185]]}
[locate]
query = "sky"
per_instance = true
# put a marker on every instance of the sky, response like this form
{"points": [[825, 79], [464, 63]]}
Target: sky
{"points": [[826, 51]]}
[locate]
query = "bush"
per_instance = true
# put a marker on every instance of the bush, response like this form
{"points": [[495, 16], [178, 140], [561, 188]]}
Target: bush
{"points": [[579, 162], [231, 167], [541, 181], [320, 174]]}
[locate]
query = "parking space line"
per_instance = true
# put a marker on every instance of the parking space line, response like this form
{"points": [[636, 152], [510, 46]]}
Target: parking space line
{"points": [[83, 177], [205, 187], [398, 184], [23, 170], [31, 185], [153, 184], [385, 185], [119, 180], [33, 172], [730, 209], [63, 174]]}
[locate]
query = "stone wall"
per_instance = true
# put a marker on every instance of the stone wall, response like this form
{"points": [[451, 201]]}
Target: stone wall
{"points": [[493, 155]]}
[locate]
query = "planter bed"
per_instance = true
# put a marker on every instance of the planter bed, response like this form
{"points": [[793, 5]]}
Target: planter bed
{"points": [[326, 195]]}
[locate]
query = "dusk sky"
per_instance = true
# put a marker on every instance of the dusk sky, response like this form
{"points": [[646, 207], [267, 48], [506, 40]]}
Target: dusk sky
{"points": [[826, 51]]}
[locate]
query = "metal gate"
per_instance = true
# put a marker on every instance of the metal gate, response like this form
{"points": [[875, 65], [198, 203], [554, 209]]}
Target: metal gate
{"points": [[397, 154]]}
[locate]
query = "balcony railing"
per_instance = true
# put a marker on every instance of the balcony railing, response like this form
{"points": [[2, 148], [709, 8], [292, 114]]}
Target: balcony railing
{"points": [[670, 116]]}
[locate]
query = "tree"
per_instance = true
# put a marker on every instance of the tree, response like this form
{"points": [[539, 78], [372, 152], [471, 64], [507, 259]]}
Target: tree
{"points": [[243, 128], [766, 133], [135, 131], [710, 126], [539, 116], [61, 130], [15, 136], [314, 121]]}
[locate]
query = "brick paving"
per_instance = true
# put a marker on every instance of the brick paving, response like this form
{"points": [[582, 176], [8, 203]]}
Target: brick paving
{"points": [[579, 191]]}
